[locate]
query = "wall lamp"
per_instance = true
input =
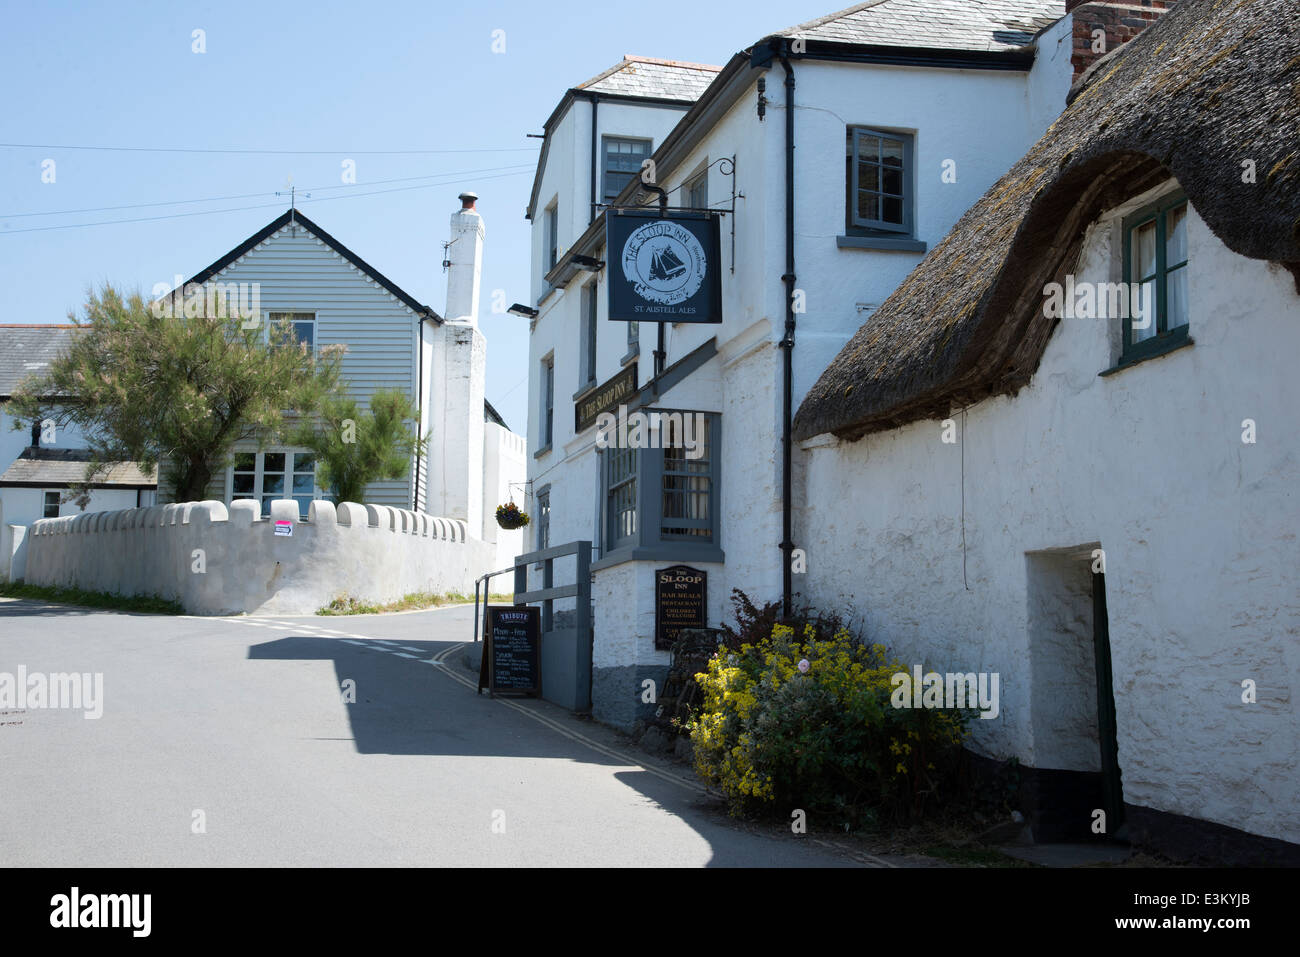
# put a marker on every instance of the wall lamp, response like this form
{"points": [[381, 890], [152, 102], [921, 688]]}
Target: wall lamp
{"points": [[519, 309], [589, 262]]}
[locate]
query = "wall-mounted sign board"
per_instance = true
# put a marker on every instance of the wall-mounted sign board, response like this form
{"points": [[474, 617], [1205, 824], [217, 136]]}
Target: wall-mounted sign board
{"points": [[681, 601], [512, 650], [663, 268], [604, 398]]}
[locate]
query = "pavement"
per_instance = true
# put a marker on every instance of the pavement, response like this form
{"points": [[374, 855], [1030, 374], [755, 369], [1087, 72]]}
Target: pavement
{"points": [[232, 742]]}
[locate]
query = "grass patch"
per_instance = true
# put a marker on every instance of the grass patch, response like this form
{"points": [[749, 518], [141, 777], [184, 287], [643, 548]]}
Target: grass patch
{"points": [[416, 601], [149, 604]]}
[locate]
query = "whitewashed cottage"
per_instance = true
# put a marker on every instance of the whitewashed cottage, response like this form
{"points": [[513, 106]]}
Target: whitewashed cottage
{"points": [[1100, 506]]}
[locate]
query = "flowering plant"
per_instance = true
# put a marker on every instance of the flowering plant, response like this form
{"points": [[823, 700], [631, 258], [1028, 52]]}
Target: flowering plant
{"points": [[510, 517]]}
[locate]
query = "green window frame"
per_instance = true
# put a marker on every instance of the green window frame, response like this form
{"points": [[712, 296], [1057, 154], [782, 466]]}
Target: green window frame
{"points": [[1155, 253]]}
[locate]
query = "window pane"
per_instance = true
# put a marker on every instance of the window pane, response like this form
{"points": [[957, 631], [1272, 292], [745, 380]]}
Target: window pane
{"points": [[305, 332], [245, 462], [304, 462], [891, 152], [893, 210], [1144, 322], [868, 148], [272, 484], [273, 462], [1144, 251], [868, 205], [1176, 290], [893, 180], [868, 176], [304, 503], [1176, 236], [242, 483], [304, 485]]}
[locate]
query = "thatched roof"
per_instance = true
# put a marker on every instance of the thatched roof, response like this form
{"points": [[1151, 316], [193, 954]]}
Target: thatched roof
{"points": [[1209, 85]]}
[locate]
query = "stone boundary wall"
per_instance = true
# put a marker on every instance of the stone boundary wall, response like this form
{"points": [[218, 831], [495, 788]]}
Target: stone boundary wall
{"points": [[216, 560]]}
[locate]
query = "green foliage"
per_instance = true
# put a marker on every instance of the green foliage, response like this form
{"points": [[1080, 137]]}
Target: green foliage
{"points": [[143, 385], [825, 737], [354, 448], [91, 599]]}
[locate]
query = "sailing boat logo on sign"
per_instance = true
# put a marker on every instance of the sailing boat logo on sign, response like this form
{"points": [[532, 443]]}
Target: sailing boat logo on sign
{"points": [[665, 262]]}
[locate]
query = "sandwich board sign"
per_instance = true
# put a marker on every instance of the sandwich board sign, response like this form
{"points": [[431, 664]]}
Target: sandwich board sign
{"points": [[663, 268], [512, 650]]}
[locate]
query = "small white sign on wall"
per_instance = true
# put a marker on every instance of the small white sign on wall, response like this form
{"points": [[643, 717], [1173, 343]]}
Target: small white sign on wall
{"points": [[284, 528]]}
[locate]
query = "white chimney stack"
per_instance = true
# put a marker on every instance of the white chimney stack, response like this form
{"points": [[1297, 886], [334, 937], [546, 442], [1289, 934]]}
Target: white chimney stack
{"points": [[464, 262]]}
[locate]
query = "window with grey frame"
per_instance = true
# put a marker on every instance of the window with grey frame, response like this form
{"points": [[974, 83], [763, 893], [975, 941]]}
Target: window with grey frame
{"points": [[621, 161], [695, 192], [548, 401], [667, 497], [589, 324], [880, 176], [543, 519], [552, 251]]}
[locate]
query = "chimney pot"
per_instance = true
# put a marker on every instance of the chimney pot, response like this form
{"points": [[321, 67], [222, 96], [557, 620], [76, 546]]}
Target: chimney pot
{"points": [[467, 200]]}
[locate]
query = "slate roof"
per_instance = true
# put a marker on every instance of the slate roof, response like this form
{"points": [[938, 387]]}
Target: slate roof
{"points": [[982, 25], [1210, 82], [63, 467], [28, 350], [657, 79]]}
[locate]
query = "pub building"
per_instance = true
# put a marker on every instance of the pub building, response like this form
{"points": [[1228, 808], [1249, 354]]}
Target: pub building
{"points": [[723, 277], [904, 439]]}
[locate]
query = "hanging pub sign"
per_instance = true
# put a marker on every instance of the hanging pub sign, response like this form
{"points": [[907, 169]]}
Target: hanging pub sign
{"points": [[681, 601], [607, 396], [663, 268]]}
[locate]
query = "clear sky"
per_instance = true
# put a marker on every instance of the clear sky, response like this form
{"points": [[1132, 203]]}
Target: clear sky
{"points": [[341, 78]]}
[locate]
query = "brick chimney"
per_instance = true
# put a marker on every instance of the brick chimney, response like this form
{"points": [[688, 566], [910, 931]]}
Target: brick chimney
{"points": [[1100, 26]]}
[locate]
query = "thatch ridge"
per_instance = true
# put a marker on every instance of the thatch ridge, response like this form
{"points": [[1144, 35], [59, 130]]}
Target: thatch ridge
{"points": [[1210, 84]]}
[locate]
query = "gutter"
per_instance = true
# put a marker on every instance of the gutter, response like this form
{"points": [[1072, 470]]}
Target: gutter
{"points": [[419, 410]]}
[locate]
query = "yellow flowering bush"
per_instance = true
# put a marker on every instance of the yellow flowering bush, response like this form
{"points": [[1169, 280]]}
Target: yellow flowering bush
{"points": [[802, 719]]}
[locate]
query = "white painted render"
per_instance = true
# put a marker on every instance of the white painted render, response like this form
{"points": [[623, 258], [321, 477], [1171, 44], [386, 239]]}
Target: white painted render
{"points": [[1197, 527], [983, 120], [219, 561]]}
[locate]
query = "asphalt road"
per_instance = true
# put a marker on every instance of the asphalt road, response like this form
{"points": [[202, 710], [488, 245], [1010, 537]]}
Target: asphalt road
{"points": [[228, 742]]}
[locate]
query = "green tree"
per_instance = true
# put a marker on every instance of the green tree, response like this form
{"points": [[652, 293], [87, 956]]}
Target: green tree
{"points": [[157, 382], [354, 448]]}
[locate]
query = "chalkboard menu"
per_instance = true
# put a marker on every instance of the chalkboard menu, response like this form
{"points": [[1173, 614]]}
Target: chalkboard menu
{"points": [[512, 653], [681, 601]]}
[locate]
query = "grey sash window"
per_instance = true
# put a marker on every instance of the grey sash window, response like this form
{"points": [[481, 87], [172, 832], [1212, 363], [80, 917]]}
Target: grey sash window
{"points": [[620, 497], [300, 325], [622, 161], [267, 476], [51, 505], [548, 400], [588, 376], [695, 193], [552, 237], [880, 180]]}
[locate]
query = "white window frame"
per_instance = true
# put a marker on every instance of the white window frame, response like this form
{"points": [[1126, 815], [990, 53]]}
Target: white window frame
{"points": [[259, 475], [315, 325]]}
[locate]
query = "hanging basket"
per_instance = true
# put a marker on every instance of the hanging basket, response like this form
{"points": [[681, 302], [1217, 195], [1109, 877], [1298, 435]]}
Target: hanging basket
{"points": [[510, 517]]}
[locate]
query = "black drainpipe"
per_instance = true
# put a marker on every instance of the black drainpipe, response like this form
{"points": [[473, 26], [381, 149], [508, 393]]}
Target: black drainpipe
{"points": [[787, 341]]}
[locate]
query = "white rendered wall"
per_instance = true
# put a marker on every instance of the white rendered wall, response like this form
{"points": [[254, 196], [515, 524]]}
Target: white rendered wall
{"points": [[374, 553], [1199, 532]]}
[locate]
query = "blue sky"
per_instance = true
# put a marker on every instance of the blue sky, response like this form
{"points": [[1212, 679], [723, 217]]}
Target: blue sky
{"points": [[337, 77]]}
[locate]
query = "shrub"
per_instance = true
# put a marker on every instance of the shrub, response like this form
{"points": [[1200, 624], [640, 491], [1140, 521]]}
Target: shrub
{"points": [[803, 719]]}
